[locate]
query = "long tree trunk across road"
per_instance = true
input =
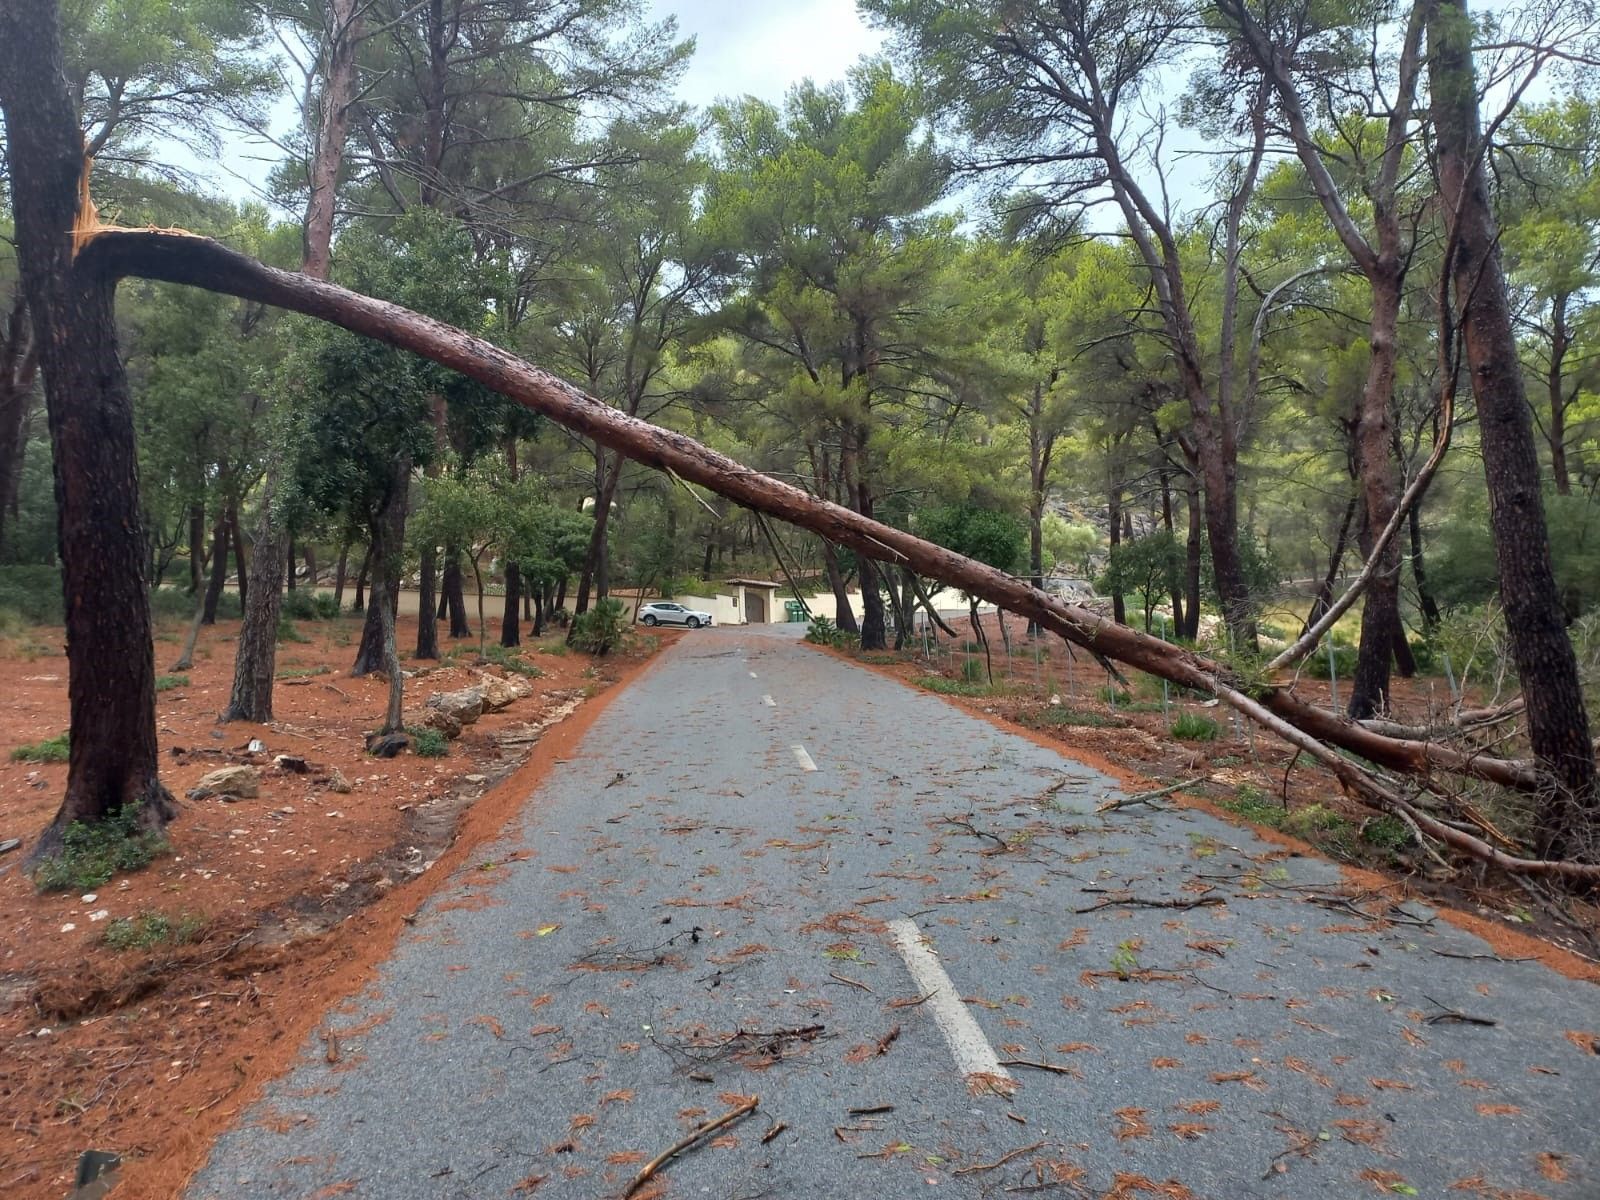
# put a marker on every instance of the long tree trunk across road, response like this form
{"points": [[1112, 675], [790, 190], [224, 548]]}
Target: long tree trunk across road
{"points": [[1558, 723]]}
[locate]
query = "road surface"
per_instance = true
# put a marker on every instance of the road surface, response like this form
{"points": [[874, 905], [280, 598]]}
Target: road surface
{"points": [[769, 873]]}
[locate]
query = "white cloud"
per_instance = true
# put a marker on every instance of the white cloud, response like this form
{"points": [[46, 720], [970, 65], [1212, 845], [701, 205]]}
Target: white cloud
{"points": [[764, 49]]}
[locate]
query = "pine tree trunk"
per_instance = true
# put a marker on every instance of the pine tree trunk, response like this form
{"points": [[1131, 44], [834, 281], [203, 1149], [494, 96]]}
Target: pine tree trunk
{"points": [[387, 531], [1558, 723], [197, 539], [219, 570], [510, 626], [427, 620], [1119, 609], [339, 575], [255, 660], [1425, 600], [113, 761], [452, 599], [288, 579], [1324, 596], [362, 576], [844, 616], [236, 540]]}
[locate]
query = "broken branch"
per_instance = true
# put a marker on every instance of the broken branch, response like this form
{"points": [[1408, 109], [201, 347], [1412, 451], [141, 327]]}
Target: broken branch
{"points": [[683, 1143]]}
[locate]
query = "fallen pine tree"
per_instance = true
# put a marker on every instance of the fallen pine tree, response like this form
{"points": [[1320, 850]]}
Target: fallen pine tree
{"points": [[110, 254]]}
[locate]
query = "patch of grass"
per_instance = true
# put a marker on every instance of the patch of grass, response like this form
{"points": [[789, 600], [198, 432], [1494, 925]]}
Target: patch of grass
{"points": [[511, 660], [1387, 833], [428, 743], [1056, 715], [51, 750], [1251, 803], [878, 660], [151, 929], [952, 687], [1311, 821], [167, 683], [973, 670], [1192, 727], [302, 672], [91, 854], [287, 632], [556, 649], [1118, 697]]}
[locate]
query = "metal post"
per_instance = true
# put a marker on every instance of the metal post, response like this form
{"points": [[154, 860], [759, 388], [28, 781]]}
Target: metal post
{"points": [[1449, 674], [1333, 675]]}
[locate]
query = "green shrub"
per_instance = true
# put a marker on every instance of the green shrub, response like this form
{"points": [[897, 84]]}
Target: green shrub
{"points": [[973, 670], [166, 683], [1192, 727], [601, 629], [1056, 715], [301, 672], [306, 604], [1344, 661], [952, 687], [1388, 833], [821, 631], [51, 750], [511, 660], [287, 632], [32, 592], [1311, 820], [1118, 697], [1251, 803], [92, 853], [427, 742], [152, 929]]}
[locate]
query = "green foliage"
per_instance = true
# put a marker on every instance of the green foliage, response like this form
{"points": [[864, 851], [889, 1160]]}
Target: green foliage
{"points": [[1251, 803], [821, 631], [427, 742], [151, 929], [92, 853], [50, 750], [1462, 570], [167, 683], [32, 592], [601, 629], [1192, 727], [1055, 715], [1315, 665], [287, 631], [307, 604], [510, 660], [973, 670], [994, 538], [1150, 567]]}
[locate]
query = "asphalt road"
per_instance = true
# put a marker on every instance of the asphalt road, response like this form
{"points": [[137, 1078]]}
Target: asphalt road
{"points": [[755, 880]]}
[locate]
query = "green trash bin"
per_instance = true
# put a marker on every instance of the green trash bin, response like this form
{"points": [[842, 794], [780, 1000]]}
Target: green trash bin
{"points": [[794, 610]]}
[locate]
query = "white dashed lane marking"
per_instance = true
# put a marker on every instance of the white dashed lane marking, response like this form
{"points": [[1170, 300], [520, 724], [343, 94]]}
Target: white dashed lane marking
{"points": [[804, 759], [769, 702], [968, 1046]]}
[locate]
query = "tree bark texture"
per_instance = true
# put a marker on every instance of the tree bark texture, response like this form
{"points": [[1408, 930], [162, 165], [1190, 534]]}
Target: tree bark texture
{"points": [[1558, 723], [255, 662], [510, 624], [219, 570], [387, 531], [113, 761], [452, 597]]}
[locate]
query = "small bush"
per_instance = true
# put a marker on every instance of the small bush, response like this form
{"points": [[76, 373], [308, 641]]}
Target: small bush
{"points": [[1344, 662], [821, 631], [152, 929], [32, 593], [601, 629], [1060, 716], [167, 683], [1311, 820], [427, 742], [287, 632], [510, 660], [91, 854], [973, 670], [1192, 727], [1251, 803], [301, 672], [1387, 833], [878, 660], [305, 604], [1119, 697], [952, 687], [51, 750]]}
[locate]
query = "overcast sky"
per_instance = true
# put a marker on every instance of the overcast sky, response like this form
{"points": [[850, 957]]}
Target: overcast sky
{"points": [[742, 47], [763, 49]]}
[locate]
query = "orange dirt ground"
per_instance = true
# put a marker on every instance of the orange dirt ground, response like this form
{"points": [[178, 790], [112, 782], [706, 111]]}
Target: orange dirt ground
{"points": [[300, 891]]}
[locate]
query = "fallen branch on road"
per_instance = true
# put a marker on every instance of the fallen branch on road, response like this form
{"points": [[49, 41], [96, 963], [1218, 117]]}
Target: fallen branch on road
{"points": [[683, 1143]]}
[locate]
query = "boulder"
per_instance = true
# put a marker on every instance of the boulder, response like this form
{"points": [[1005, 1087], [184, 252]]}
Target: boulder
{"points": [[337, 782], [228, 783], [500, 693], [437, 718], [466, 706]]}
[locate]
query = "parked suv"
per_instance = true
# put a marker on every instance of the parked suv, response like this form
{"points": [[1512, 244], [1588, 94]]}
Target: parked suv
{"points": [[665, 613]]}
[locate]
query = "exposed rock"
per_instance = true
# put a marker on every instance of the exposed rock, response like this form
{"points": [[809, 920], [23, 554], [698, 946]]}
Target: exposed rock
{"points": [[499, 693], [337, 782], [228, 783], [291, 762], [466, 706], [387, 745], [437, 718]]}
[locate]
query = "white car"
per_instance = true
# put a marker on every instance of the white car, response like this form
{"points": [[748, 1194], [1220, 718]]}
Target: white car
{"points": [[666, 613]]}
